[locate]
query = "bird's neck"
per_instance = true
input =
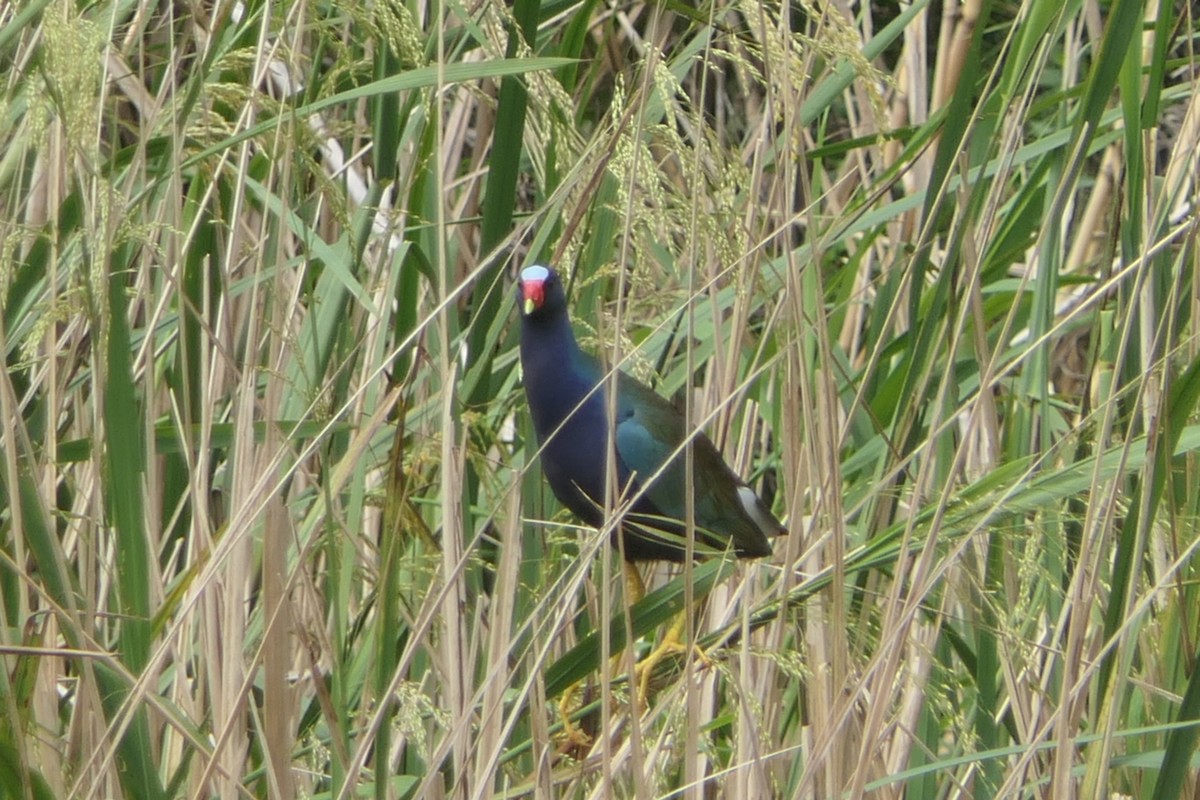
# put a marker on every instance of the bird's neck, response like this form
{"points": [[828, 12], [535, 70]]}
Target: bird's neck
{"points": [[558, 375], [549, 344]]}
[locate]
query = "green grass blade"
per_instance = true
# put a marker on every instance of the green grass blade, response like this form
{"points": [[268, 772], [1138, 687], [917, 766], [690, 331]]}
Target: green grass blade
{"points": [[125, 468]]}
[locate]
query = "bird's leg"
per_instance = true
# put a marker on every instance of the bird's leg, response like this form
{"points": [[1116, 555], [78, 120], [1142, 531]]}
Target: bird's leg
{"points": [[635, 587], [635, 590], [672, 643]]}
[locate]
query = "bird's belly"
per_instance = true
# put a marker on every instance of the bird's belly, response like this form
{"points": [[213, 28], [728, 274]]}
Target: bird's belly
{"points": [[574, 463], [577, 471]]}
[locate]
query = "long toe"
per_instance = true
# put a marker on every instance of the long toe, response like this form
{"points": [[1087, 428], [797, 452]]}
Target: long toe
{"points": [[572, 735], [671, 646]]}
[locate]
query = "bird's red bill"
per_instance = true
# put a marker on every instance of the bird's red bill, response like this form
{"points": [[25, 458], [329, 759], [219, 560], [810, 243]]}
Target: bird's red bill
{"points": [[533, 291]]}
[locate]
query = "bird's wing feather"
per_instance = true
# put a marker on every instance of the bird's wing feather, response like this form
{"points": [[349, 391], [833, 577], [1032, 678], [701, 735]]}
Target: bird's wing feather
{"points": [[647, 437], [649, 432]]}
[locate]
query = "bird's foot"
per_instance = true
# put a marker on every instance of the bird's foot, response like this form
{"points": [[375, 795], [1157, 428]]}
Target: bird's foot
{"points": [[670, 646], [572, 735]]}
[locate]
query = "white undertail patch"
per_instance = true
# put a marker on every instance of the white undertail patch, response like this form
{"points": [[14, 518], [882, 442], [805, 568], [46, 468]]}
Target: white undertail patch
{"points": [[755, 510]]}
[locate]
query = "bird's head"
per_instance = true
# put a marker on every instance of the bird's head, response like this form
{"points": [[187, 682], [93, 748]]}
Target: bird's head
{"points": [[540, 292]]}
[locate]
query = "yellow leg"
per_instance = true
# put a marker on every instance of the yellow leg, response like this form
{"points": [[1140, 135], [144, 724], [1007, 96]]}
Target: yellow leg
{"points": [[671, 645], [635, 590]]}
